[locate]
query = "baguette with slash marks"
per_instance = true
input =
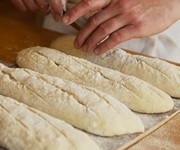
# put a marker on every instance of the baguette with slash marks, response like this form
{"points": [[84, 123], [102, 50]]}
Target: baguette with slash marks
{"points": [[25, 128], [157, 72], [83, 107], [135, 93]]}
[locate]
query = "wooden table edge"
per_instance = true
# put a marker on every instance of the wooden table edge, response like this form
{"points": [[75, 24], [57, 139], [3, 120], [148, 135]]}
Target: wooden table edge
{"points": [[148, 132]]}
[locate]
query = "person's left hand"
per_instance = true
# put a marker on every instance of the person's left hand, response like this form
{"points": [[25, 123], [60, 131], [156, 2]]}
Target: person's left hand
{"points": [[121, 20], [44, 6]]}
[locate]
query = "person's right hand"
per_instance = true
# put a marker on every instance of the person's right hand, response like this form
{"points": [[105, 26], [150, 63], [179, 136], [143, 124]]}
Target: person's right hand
{"points": [[117, 21], [44, 6]]}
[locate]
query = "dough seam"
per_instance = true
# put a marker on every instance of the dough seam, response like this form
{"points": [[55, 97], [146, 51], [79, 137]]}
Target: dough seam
{"points": [[59, 65], [108, 79], [142, 61], [75, 98]]}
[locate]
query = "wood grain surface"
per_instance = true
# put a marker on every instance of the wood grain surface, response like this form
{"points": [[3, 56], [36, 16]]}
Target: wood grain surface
{"points": [[18, 31], [167, 137]]}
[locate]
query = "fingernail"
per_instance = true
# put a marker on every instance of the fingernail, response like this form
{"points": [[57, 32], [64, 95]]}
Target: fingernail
{"points": [[76, 45], [84, 48], [66, 19]]}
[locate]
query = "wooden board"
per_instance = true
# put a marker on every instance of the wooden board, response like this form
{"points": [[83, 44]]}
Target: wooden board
{"points": [[167, 137], [18, 31], [139, 144]]}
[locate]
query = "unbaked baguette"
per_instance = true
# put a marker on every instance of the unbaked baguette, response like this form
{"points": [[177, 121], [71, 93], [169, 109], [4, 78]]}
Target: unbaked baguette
{"points": [[136, 94], [159, 73], [25, 128], [85, 108]]}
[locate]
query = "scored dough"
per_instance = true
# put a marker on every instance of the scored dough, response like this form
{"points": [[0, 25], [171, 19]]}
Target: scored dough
{"points": [[136, 94], [83, 107], [157, 72], [25, 128]]}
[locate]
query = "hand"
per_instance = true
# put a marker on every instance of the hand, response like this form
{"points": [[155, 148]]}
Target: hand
{"points": [[44, 6], [121, 20]]}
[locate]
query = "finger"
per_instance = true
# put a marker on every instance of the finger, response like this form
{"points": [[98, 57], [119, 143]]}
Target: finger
{"points": [[31, 5], [122, 35], [43, 6], [94, 22], [83, 8], [103, 31], [56, 9], [19, 4]]}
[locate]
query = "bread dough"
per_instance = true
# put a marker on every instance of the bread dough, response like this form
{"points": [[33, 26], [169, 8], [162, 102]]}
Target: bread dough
{"points": [[157, 72], [135, 93], [83, 107], [25, 128]]}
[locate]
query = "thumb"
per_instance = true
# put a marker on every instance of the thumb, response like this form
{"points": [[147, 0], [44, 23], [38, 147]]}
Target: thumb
{"points": [[82, 8]]}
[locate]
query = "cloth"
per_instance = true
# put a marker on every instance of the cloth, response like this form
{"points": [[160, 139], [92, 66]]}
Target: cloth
{"points": [[165, 45]]}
